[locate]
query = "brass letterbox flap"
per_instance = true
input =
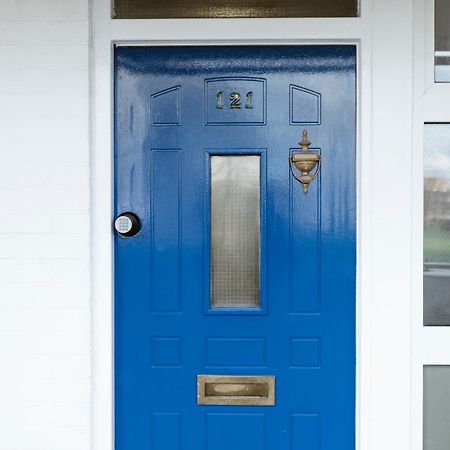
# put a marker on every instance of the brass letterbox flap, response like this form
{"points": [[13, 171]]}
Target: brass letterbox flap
{"points": [[236, 390]]}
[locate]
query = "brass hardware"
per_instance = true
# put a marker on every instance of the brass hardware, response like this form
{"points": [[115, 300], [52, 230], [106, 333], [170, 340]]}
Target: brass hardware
{"points": [[235, 390], [305, 161]]}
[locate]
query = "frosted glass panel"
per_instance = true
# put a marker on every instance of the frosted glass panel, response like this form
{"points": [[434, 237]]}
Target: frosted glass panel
{"points": [[436, 411], [436, 251], [161, 9], [235, 231], [442, 41]]}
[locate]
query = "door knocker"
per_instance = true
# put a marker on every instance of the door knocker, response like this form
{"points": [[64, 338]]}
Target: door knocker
{"points": [[304, 161]]}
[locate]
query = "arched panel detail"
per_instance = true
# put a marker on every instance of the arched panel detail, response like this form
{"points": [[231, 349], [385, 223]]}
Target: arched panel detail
{"points": [[165, 107], [304, 106]]}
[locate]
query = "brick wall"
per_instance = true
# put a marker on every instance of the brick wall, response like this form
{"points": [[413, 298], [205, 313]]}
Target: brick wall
{"points": [[44, 225]]}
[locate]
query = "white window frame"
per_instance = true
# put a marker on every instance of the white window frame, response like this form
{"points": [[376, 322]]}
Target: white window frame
{"points": [[384, 181], [430, 345]]}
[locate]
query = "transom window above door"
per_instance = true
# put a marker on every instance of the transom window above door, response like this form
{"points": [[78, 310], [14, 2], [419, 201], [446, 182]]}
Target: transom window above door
{"points": [[177, 9]]}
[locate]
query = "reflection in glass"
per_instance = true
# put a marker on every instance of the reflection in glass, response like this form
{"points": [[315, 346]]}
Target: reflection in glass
{"points": [[436, 411], [162, 9], [442, 41], [436, 251], [235, 231]]}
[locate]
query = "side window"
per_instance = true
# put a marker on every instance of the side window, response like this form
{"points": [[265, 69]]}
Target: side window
{"points": [[436, 250], [436, 413], [442, 41]]}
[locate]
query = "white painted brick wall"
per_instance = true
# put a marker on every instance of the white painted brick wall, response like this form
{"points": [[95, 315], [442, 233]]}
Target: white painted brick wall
{"points": [[45, 369]]}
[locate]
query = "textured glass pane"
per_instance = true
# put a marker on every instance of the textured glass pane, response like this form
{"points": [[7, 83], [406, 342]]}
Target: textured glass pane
{"points": [[160, 9], [442, 41], [235, 231], [436, 251], [436, 408]]}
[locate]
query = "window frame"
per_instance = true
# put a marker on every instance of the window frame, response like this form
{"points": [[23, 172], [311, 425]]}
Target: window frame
{"points": [[428, 343]]}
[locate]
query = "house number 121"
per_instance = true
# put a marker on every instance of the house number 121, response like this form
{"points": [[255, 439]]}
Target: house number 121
{"points": [[234, 100]]}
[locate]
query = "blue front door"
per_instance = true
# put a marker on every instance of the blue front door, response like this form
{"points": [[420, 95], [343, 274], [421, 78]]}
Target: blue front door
{"points": [[235, 271]]}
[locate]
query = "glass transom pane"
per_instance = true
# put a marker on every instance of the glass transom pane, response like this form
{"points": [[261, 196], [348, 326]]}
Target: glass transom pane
{"points": [[436, 411], [436, 251], [235, 231], [161, 9]]}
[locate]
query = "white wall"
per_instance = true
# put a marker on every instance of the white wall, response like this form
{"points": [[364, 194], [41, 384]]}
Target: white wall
{"points": [[44, 225]]}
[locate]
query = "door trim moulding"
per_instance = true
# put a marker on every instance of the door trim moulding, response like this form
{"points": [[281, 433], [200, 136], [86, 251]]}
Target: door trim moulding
{"points": [[380, 340]]}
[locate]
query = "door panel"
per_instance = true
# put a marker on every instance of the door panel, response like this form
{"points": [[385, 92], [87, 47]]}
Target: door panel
{"points": [[180, 112]]}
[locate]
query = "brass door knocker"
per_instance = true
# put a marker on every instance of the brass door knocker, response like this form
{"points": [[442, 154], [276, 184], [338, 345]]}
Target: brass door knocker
{"points": [[304, 161]]}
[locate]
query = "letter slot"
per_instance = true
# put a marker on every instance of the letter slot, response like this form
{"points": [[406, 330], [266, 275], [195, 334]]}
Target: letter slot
{"points": [[235, 390]]}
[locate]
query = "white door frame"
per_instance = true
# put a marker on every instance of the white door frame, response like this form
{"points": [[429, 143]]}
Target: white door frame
{"points": [[383, 36]]}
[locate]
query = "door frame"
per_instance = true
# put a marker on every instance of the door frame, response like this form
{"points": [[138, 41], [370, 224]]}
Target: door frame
{"points": [[384, 123]]}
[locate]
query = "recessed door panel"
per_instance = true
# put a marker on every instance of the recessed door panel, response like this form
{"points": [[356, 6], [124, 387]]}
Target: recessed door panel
{"points": [[235, 300]]}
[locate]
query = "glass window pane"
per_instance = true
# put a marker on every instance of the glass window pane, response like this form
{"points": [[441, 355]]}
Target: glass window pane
{"points": [[442, 41], [436, 411], [436, 251], [161, 9], [235, 231]]}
